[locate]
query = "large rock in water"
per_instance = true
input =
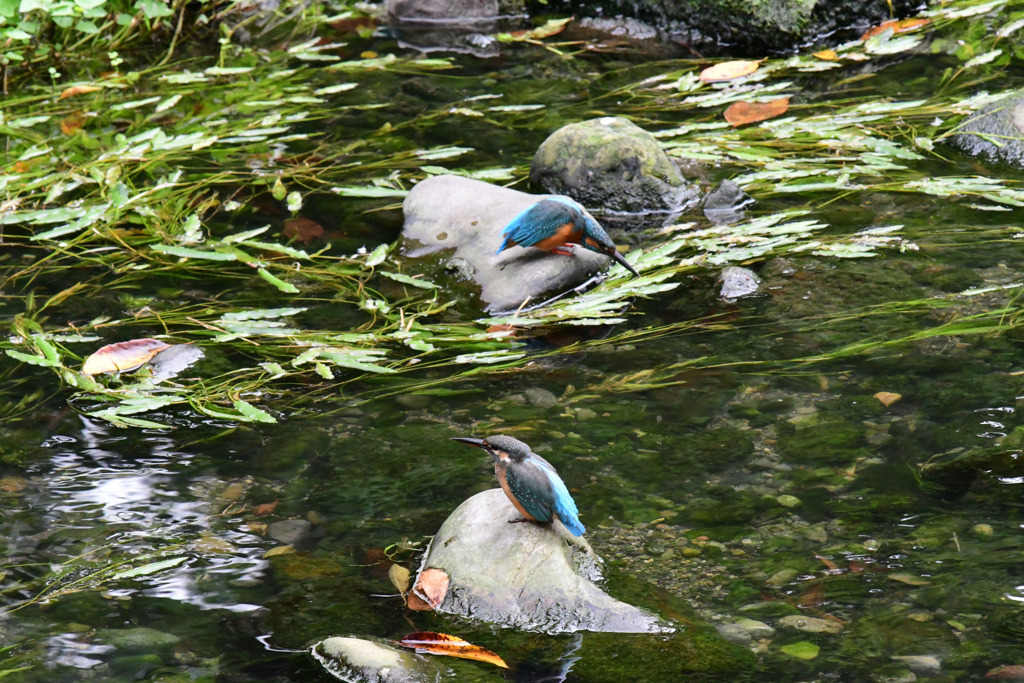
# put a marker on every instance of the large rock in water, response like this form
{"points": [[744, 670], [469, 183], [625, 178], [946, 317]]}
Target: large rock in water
{"points": [[452, 212], [613, 163], [364, 660], [996, 132], [527, 576]]}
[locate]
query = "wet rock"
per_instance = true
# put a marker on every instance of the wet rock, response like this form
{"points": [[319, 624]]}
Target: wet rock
{"points": [[358, 660], [527, 576], [137, 639], [756, 629], [781, 577], [921, 665], [289, 531], [734, 633], [725, 203], [451, 212], [737, 283], [541, 397], [619, 27], [893, 673], [810, 624], [996, 131], [983, 530], [135, 667], [611, 163], [465, 26]]}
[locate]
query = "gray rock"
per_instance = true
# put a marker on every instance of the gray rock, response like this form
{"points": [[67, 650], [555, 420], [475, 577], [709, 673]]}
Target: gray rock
{"points": [[756, 629], [173, 360], [527, 576], [358, 660], [725, 204], [137, 639], [612, 163], [451, 212], [810, 624], [893, 673], [734, 633], [996, 132], [922, 665], [289, 531], [737, 283], [443, 12], [541, 397]]}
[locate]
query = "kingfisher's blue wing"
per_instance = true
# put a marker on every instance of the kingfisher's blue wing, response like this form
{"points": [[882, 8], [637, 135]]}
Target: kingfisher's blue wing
{"points": [[536, 222], [532, 488], [565, 506]]}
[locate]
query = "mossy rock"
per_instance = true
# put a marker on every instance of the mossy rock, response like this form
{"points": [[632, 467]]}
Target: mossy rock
{"points": [[830, 441], [996, 131]]}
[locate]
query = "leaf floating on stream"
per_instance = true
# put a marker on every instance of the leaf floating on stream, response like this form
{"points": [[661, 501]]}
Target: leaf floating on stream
{"points": [[740, 113], [726, 71], [450, 646], [122, 356]]}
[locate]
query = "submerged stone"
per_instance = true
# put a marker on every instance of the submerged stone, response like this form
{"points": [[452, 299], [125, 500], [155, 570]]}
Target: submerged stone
{"points": [[996, 132], [137, 639], [737, 283], [523, 575], [359, 660], [468, 216]]}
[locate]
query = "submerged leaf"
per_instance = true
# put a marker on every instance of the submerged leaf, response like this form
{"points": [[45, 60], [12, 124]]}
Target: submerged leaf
{"points": [[739, 113], [122, 356], [450, 646], [400, 578], [727, 71], [148, 569]]}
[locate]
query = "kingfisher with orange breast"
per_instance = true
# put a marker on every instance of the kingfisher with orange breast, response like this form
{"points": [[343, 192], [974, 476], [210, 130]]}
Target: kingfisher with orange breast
{"points": [[530, 482], [555, 222]]}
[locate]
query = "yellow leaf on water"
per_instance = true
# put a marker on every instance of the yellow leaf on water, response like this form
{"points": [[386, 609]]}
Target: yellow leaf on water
{"points": [[122, 356], [400, 578], [451, 646], [729, 70], [829, 55], [887, 398]]}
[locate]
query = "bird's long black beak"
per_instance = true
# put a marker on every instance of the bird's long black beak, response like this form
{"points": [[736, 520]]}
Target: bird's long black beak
{"points": [[479, 443], [621, 260]]}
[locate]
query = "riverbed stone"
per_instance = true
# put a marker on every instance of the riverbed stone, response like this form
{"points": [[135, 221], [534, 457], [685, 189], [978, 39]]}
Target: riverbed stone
{"points": [[365, 660], [922, 665], [810, 624], [468, 216], [139, 639], [996, 132], [612, 163], [535, 577], [737, 283], [289, 531]]}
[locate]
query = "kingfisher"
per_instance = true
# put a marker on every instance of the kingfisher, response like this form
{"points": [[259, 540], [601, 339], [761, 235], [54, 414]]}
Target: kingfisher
{"points": [[529, 481], [555, 222]]}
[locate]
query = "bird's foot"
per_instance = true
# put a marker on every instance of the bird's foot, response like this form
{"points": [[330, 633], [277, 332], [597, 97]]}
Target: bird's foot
{"points": [[517, 521]]}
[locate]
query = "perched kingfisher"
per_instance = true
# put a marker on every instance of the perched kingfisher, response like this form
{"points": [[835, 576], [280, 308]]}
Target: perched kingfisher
{"points": [[530, 482], [554, 222]]}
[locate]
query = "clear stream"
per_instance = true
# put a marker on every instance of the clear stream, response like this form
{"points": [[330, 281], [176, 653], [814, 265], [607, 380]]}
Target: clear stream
{"points": [[744, 492]]}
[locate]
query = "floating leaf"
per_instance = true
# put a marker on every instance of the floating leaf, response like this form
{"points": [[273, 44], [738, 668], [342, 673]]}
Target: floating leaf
{"points": [[739, 113], [264, 509], [828, 55], [122, 356], [801, 650], [78, 90], [552, 27], [285, 287], [727, 71], [887, 398], [251, 413], [400, 578], [898, 26], [148, 569], [450, 646]]}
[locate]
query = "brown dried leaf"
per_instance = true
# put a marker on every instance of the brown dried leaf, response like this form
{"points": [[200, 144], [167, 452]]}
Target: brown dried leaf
{"points": [[122, 356], [303, 229], [727, 71], [828, 55], [887, 398], [72, 124], [739, 113], [450, 646], [431, 587], [78, 90], [400, 578], [265, 509], [899, 26]]}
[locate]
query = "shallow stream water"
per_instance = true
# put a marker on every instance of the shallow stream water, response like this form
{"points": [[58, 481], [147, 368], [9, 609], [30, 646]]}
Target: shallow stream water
{"points": [[888, 526]]}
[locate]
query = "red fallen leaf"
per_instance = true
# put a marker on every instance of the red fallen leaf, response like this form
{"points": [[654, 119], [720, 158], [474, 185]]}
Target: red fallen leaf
{"points": [[828, 563], [1012, 672], [78, 90], [450, 646], [431, 587], [739, 113], [899, 26], [122, 356], [303, 229], [726, 71], [266, 508]]}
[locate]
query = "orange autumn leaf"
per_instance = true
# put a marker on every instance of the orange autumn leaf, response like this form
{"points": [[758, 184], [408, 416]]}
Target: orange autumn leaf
{"points": [[431, 587], [887, 398], [899, 26], [78, 90], [72, 124], [122, 356], [728, 70], [739, 113], [829, 55], [827, 562], [265, 509], [450, 646]]}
